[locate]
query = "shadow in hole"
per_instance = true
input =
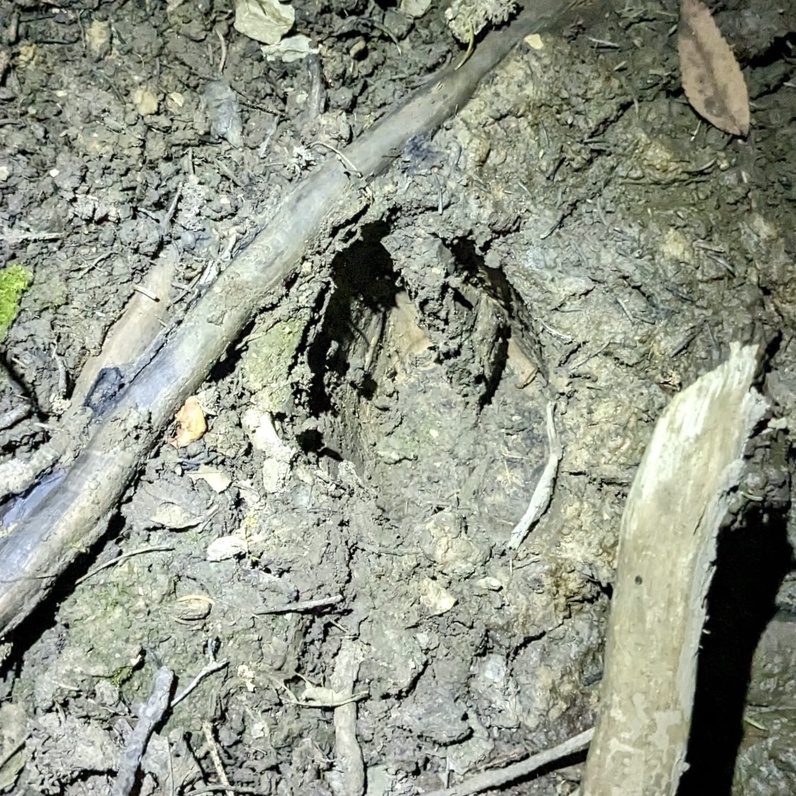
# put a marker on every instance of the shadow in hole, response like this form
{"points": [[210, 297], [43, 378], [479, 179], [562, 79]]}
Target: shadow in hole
{"points": [[365, 285], [752, 561], [229, 364], [520, 324]]}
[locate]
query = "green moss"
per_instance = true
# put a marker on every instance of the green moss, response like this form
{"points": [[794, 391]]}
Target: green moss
{"points": [[269, 360], [122, 676], [14, 281]]}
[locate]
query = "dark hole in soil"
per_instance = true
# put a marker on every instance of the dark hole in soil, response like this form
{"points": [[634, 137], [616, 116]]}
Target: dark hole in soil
{"points": [[365, 285]]}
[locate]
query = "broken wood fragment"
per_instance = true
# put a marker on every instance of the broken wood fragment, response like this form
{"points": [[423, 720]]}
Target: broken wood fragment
{"points": [[667, 547]]}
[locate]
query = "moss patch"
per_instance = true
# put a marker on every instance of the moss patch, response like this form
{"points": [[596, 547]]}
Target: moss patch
{"points": [[14, 281]]}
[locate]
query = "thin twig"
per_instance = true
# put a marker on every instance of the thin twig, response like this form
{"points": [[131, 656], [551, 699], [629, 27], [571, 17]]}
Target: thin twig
{"points": [[540, 499], [223, 59], [119, 559], [302, 607], [215, 756], [489, 780], [352, 169], [150, 717], [470, 46], [233, 788], [211, 667]]}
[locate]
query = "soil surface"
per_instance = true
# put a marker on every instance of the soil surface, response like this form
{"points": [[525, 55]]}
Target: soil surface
{"points": [[574, 237]]}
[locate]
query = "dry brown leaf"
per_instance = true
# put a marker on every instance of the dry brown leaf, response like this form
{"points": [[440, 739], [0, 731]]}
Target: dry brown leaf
{"points": [[191, 423], [712, 79]]}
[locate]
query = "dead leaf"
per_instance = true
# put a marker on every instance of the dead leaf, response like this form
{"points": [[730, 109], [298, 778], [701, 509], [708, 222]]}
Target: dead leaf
{"points": [[226, 547], [217, 480], [266, 21], [712, 79], [191, 423]]}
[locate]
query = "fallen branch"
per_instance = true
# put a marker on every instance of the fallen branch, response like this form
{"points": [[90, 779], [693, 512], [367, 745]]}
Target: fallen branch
{"points": [[73, 515], [126, 342]]}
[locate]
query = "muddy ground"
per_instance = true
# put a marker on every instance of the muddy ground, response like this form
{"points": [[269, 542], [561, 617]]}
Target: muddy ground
{"points": [[575, 235]]}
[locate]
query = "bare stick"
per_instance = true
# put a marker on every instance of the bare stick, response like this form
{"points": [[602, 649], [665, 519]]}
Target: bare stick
{"points": [[490, 780], [150, 717], [13, 416], [230, 789], [349, 767], [540, 499], [302, 607], [214, 755]]}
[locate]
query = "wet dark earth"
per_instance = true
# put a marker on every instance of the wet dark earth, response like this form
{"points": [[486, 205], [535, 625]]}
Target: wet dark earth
{"points": [[331, 569]]}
